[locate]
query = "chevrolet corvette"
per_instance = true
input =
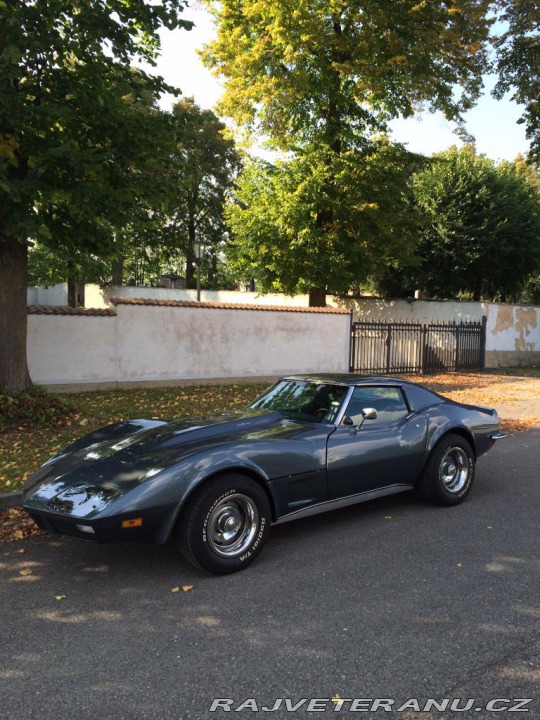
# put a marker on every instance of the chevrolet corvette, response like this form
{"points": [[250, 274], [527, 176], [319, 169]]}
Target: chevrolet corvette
{"points": [[216, 485]]}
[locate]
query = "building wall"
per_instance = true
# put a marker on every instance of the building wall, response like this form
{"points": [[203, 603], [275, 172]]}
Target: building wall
{"points": [[512, 335], [163, 341], [99, 298], [64, 349], [144, 343], [421, 311], [55, 295]]}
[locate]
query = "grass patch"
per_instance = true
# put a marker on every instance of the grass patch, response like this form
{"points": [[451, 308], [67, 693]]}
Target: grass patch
{"points": [[27, 441]]}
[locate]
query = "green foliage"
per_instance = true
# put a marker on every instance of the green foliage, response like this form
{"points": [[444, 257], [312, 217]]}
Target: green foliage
{"points": [[274, 218], [72, 128], [518, 62], [201, 174], [530, 295], [309, 71], [180, 197], [48, 267], [34, 408], [479, 229], [317, 78]]}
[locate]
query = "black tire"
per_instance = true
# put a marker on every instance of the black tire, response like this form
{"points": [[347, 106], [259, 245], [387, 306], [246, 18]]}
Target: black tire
{"points": [[224, 524], [449, 474]]}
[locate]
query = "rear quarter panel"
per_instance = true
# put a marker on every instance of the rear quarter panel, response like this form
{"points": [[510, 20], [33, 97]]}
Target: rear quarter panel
{"points": [[476, 424]]}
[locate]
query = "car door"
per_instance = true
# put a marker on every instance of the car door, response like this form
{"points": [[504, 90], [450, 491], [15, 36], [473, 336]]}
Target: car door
{"points": [[368, 455]]}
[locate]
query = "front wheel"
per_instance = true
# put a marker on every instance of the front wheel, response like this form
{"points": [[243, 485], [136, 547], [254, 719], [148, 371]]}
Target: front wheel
{"points": [[448, 476], [225, 524]]}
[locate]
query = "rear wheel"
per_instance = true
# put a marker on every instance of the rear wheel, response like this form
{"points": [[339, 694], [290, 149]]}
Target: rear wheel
{"points": [[225, 524], [449, 473]]}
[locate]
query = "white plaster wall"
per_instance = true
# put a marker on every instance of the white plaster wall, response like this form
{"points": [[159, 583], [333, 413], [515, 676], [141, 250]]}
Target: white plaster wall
{"points": [[160, 343], [157, 343], [422, 311], [219, 296], [512, 328], [55, 295], [95, 297], [65, 349]]}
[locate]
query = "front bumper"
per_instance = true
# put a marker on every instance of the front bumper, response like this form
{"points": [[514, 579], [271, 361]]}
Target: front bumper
{"points": [[116, 528]]}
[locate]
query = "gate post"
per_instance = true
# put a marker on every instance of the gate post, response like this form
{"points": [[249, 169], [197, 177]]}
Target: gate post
{"points": [[458, 341], [483, 343], [352, 344], [423, 350], [388, 348]]}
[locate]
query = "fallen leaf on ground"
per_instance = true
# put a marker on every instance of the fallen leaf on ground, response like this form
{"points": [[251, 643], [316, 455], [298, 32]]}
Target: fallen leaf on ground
{"points": [[25, 572], [16, 524], [175, 589], [187, 588], [60, 597]]}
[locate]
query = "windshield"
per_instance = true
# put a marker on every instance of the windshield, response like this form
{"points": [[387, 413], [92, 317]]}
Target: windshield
{"points": [[297, 399]]}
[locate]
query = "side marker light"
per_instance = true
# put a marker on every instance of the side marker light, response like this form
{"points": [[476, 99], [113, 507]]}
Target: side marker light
{"points": [[134, 522]]}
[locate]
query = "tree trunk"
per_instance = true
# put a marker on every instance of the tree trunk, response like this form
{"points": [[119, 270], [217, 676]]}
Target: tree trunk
{"points": [[71, 286], [118, 271], [190, 268], [190, 252], [317, 297], [477, 292], [14, 376], [71, 294]]}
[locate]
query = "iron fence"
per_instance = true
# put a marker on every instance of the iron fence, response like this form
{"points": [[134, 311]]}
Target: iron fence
{"points": [[407, 347]]}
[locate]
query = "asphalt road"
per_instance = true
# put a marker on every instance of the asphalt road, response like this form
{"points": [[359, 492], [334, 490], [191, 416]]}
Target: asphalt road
{"points": [[393, 599]]}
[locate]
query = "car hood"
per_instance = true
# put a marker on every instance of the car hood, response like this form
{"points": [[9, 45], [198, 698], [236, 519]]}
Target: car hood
{"points": [[92, 472]]}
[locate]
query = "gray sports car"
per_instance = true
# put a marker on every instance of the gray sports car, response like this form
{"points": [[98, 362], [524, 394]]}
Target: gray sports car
{"points": [[216, 484]]}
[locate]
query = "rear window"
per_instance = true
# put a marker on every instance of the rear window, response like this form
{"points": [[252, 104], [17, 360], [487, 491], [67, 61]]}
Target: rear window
{"points": [[420, 398]]}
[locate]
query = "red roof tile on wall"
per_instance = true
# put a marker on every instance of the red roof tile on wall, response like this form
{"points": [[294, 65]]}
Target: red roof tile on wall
{"points": [[63, 310], [225, 306]]}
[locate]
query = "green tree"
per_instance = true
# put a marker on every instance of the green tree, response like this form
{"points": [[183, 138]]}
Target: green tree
{"points": [[129, 242], [479, 229], [277, 240], [317, 77], [518, 62], [202, 172], [183, 186], [71, 136]]}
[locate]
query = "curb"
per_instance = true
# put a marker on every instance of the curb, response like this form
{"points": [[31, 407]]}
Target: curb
{"points": [[10, 500]]}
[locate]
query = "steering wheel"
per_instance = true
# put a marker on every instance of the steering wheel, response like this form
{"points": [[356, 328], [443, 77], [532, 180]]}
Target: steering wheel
{"points": [[321, 412]]}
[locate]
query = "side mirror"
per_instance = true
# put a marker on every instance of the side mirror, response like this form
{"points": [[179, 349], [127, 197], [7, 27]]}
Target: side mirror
{"points": [[367, 414]]}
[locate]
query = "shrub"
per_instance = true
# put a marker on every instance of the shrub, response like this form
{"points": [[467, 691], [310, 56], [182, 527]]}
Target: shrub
{"points": [[34, 407]]}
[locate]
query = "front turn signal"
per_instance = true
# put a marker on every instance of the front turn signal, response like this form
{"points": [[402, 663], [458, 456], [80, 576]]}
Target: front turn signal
{"points": [[134, 522]]}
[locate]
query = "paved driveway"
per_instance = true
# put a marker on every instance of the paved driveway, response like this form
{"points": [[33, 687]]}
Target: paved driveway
{"points": [[393, 600]]}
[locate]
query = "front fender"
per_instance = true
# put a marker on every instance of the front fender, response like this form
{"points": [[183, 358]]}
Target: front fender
{"points": [[292, 451]]}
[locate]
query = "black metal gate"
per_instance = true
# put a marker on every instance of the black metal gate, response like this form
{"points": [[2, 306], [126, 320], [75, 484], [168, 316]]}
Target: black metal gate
{"points": [[406, 347]]}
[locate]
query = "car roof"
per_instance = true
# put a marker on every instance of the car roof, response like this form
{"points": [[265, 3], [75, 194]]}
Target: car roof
{"points": [[349, 379]]}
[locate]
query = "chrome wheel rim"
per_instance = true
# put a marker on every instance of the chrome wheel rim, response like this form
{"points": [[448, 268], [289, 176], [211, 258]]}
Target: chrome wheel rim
{"points": [[232, 525], [454, 469]]}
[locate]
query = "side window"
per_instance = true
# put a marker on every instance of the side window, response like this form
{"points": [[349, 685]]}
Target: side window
{"points": [[387, 401]]}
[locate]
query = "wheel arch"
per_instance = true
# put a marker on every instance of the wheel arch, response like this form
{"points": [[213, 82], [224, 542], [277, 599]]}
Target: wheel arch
{"points": [[247, 472], [459, 430]]}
